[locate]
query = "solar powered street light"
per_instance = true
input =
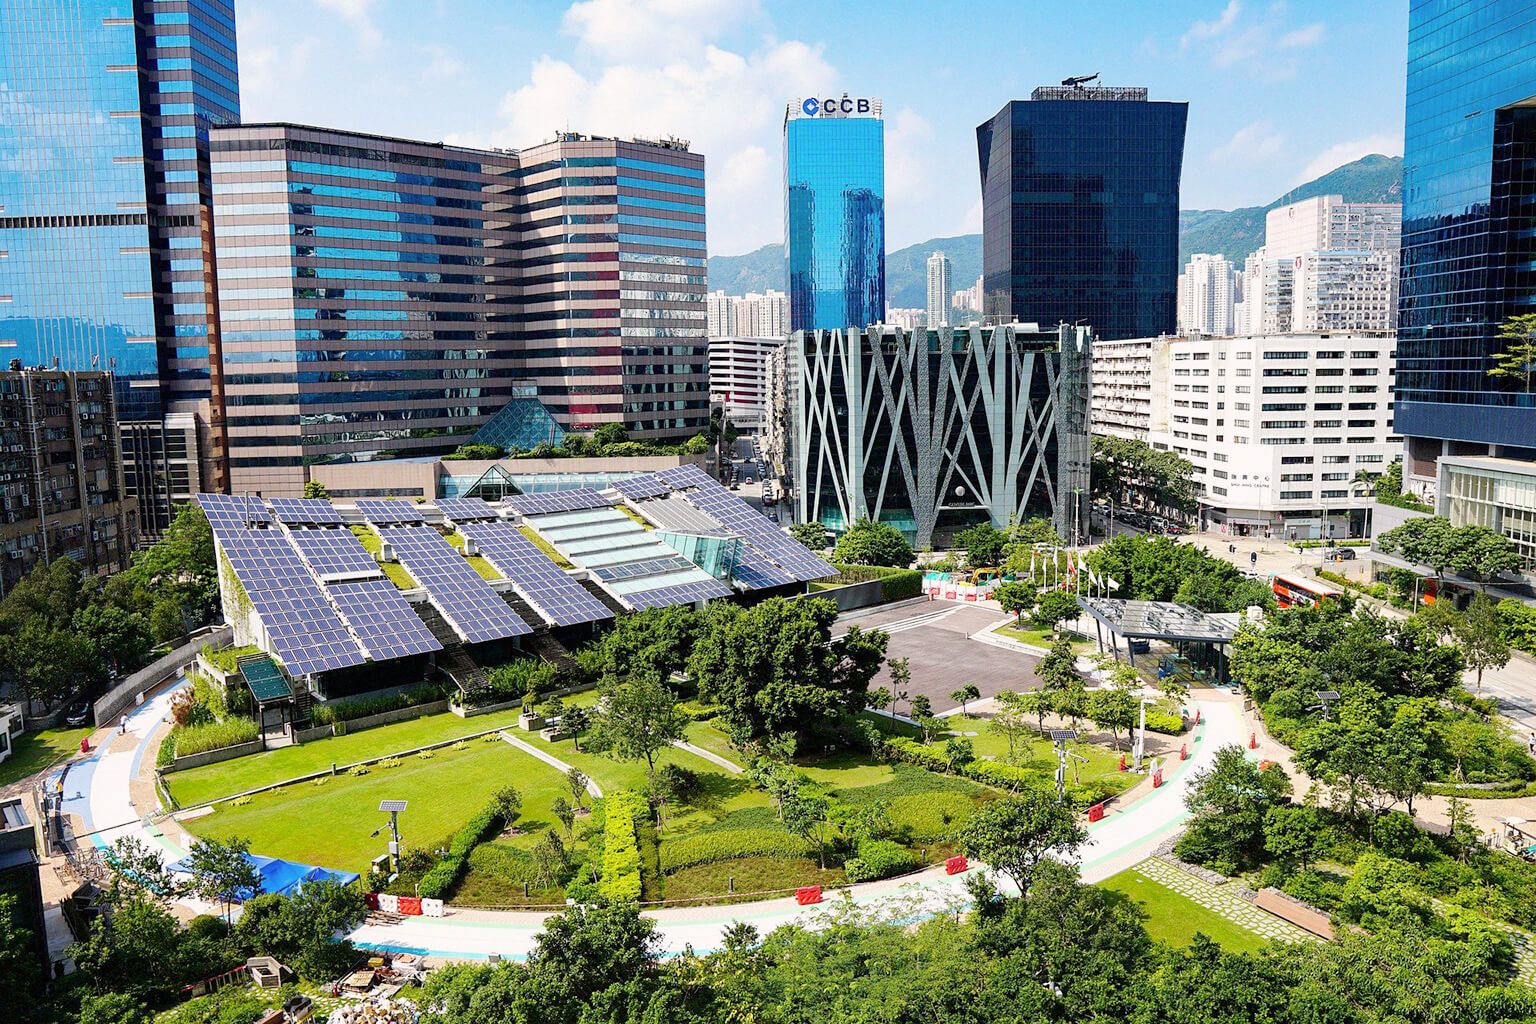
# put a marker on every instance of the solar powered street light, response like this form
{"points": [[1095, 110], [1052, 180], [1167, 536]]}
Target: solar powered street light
{"points": [[393, 809], [1324, 698]]}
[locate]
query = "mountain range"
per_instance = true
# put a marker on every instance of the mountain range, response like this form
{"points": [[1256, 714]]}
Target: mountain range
{"points": [[1232, 233]]}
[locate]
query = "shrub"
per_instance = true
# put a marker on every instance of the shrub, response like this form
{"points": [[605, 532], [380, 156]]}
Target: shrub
{"points": [[512, 679], [697, 712], [1168, 722], [167, 751], [198, 739], [675, 782], [895, 584], [991, 773], [347, 710], [621, 850], [688, 851], [440, 882], [879, 858], [928, 817]]}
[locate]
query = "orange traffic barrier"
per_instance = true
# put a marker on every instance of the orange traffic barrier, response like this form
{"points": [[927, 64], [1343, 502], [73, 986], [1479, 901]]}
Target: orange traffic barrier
{"points": [[956, 865], [808, 895], [1197, 716], [1096, 812], [1253, 741], [410, 905], [1121, 768], [1184, 752], [1157, 778]]}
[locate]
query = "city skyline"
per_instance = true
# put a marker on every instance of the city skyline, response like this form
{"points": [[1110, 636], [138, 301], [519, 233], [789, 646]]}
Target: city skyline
{"points": [[719, 71]]}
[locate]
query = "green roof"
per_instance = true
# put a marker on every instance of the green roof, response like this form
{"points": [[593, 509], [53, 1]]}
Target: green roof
{"points": [[265, 680]]}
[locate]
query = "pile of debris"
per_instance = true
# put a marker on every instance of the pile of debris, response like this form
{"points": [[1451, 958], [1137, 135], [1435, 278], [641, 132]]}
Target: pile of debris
{"points": [[376, 1011]]}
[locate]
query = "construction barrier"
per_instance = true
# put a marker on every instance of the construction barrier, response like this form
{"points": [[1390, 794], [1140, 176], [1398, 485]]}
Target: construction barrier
{"points": [[1184, 752], [808, 895], [956, 865], [388, 903], [431, 907], [1096, 812], [1157, 778], [1197, 716], [410, 906], [1121, 768], [373, 900], [1253, 741]]}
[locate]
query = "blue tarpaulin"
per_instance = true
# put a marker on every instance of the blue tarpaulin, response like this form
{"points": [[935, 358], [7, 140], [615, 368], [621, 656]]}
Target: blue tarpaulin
{"points": [[282, 876]]}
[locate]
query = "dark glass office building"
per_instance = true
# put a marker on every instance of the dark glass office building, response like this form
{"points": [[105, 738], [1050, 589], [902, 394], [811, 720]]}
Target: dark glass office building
{"points": [[1080, 210], [1469, 252], [834, 213], [105, 227]]}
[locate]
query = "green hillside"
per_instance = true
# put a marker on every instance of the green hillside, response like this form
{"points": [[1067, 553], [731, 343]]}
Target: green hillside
{"points": [[1233, 233]]}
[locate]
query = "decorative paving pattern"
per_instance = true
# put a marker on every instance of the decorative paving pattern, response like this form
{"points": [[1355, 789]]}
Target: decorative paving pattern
{"points": [[1218, 900]]}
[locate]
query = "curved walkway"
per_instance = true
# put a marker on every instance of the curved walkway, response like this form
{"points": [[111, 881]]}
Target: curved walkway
{"points": [[731, 767], [593, 789], [107, 789]]}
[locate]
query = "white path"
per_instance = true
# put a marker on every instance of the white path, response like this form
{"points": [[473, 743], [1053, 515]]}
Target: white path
{"points": [[710, 756], [593, 788], [99, 786]]}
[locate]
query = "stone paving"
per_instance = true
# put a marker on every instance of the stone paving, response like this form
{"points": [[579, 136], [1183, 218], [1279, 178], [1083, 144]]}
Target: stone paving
{"points": [[1524, 942], [1218, 900]]}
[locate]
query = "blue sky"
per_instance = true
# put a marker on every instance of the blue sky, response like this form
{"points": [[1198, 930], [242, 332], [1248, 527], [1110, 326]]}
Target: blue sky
{"points": [[1278, 92]]}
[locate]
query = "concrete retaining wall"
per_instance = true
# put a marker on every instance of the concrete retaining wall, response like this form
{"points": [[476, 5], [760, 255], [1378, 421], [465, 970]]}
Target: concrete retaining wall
{"points": [[386, 717], [125, 694], [315, 733], [186, 761], [854, 595], [564, 691]]}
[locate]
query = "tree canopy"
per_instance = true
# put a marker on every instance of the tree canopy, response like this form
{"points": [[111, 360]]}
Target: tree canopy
{"points": [[1473, 550], [871, 543], [1125, 471], [1163, 569]]}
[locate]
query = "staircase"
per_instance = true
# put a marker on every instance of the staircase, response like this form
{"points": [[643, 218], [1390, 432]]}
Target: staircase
{"points": [[452, 661], [607, 599], [303, 703], [543, 644]]}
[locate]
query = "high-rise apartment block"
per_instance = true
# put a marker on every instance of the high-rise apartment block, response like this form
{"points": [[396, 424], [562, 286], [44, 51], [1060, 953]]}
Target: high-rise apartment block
{"points": [[1080, 210], [834, 212], [752, 315], [970, 299], [938, 290], [61, 473], [1208, 291], [106, 221]]}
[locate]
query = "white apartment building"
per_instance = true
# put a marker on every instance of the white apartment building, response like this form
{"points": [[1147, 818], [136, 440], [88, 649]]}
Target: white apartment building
{"points": [[1208, 295], [1328, 222], [906, 319], [1277, 426], [1123, 371], [969, 298], [738, 377], [938, 290], [753, 315]]}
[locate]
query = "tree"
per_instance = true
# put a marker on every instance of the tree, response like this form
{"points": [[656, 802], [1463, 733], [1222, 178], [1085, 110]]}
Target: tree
{"points": [[111, 1008], [1481, 633], [20, 973], [1294, 834], [610, 434], [1016, 596], [478, 452], [564, 813], [775, 668], [813, 535], [983, 545], [1054, 608], [221, 871], [1482, 554], [508, 803], [964, 695], [131, 951], [576, 781], [901, 681], [1038, 703], [1427, 540], [1229, 800], [118, 637], [804, 812], [959, 752], [872, 543], [1008, 720], [1058, 669], [878, 698], [639, 719], [1013, 834], [576, 719], [922, 707], [1112, 708], [316, 489], [1518, 360], [654, 641]]}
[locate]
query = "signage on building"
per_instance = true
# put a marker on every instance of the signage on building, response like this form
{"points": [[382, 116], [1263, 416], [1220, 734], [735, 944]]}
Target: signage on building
{"points": [[839, 106]]}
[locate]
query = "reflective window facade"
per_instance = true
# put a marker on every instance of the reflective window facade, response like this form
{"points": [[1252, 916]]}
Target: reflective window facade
{"points": [[1469, 184], [834, 219], [1080, 210]]}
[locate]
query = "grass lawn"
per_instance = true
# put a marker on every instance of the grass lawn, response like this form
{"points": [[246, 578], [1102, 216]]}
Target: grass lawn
{"points": [[751, 874], [546, 547], [1174, 919], [702, 734], [481, 566], [31, 752], [244, 773], [1040, 638], [394, 570], [1102, 764], [329, 824]]}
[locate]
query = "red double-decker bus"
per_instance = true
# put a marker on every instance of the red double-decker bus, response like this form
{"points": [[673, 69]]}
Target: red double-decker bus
{"points": [[1301, 591]]}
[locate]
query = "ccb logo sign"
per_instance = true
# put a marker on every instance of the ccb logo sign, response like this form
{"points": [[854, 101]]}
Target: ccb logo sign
{"points": [[832, 106], [810, 106]]}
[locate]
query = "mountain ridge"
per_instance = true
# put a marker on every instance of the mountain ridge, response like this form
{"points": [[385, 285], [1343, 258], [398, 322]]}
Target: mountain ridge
{"points": [[1232, 233]]}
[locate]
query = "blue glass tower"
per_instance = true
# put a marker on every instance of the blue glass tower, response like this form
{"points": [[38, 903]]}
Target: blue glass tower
{"points": [[1469, 251], [834, 213], [1080, 210]]}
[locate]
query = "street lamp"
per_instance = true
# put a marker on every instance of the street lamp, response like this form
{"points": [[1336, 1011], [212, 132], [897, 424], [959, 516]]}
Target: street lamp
{"points": [[1324, 697], [393, 809]]}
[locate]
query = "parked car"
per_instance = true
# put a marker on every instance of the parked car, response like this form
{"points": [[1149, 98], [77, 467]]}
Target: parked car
{"points": [[1174, 531], [78, 714], [1339, 554]]}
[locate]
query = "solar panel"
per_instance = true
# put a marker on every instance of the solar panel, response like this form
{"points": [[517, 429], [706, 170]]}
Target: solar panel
{"points": [[641, 487], [392, 806], [466, 510], [789, 554], [679, 477], [303, 630], [305, 511], [476, 611], [561, 600], [228, 511], [557, 501], [682, 593], [381, 512], [332, 552], [649, 567], [382, 619], [266, 682]]}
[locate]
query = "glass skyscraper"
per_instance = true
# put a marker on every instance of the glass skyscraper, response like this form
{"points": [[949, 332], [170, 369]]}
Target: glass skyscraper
{"points": [[834, 213], [1468, 250], [1080, 210], [105, 226]]}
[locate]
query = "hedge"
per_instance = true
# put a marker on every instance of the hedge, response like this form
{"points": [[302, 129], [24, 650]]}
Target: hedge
{"points": [[995, 773], [1165, 722], [197, 739], [697, 712], [712, 847], [440, 882], [621, 849], [346, 711], [895, 584], [879, 858]]}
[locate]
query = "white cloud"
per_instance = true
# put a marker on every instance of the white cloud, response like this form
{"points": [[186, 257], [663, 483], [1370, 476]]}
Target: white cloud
{"points": [[441, 63], [623, 29], [1307, 35], [1344, 152], [971, 225], [1217, 27], [360, 14], [1250, 144]]}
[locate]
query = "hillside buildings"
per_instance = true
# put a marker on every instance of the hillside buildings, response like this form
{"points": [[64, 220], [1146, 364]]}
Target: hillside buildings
{"points": [[834, 212], [933, 430], [938, 290], [1080, 210], [753, 315], [970, 299], [1208, 291]]}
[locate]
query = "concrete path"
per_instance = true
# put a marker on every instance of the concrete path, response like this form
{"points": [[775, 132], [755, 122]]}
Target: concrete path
{"points": [[593, 788], [730, 766]]}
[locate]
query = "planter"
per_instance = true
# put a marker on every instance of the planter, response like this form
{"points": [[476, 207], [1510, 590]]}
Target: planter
{"points": [[212, 756], [486, 709]]}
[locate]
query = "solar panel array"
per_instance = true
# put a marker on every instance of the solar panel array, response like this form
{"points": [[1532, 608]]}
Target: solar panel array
{"points": [[381, 512], [789, 554], [466, 510], [557, 501], [304, 511], [540, 582], [476, 611], [638, 488], [382, 619], [650, 567], [332, 552], [232, 510], [305, 632], [682, 593]]}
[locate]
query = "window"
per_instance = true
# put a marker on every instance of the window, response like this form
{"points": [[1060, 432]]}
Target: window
{"points": [[1275, 372], [1334, 460], [1329, 423], [1245, 355], [1337, 371], [1364, 355], [1283, 406], [1362, 440], [1285, 355], [1362, 406], [1219, 474], [1219, 490], [1363, 371], [1283, 424], [1330, 355], [1282, 440], [1242, 389], [1243, 371], [1241, 423], [1283, 389], [1368, 458], [1335, 494], [1241, 406], [1295, 495], [1335, 476], [1328, 407], [1328, 389], [1218, 457], [1362, 423], [1296, 460], [1327, 440], [1362, 389], [1295, 478]]}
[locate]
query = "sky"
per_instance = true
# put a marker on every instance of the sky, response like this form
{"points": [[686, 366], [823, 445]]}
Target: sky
{"points": [[1278, 92]]}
